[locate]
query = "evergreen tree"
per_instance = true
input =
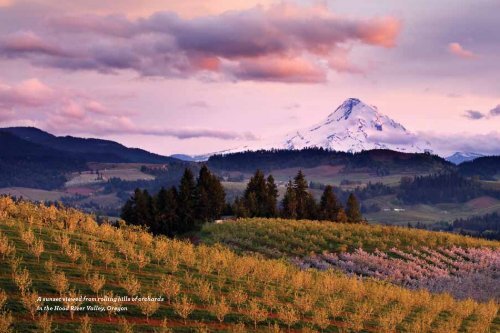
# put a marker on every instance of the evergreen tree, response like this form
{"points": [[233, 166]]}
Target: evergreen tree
{"points": [[312, 209], [302, 195], [209, 197], [217, 197], [129, 213], [203, 200], [166, 208], [239, 208], [353, 210], [329, 205], [272, 197], [289, 203], [186, 202], [256, 195], [138, 210], [173, 212]]}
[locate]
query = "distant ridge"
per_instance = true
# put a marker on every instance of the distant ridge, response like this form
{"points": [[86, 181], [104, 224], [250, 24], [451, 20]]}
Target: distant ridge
{"points": [[460, 157], [30, 157], [88, 149]]}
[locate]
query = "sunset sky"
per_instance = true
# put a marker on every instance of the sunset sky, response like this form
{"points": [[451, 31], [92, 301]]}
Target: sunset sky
{"points": [[197, 76]]}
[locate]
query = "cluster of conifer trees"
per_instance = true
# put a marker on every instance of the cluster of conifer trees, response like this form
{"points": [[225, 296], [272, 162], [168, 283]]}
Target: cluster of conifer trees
{"points": [[178, 210], [185, 208], [261, 200]]}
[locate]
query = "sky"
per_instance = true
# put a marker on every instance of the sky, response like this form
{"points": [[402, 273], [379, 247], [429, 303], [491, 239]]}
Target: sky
{"points": [[198, 76]]}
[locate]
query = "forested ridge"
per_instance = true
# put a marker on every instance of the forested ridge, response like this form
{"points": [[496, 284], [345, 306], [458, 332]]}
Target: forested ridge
{"points": [[382, 160]]}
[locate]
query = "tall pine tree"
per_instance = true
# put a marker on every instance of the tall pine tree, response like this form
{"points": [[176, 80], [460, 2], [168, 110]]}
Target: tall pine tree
{"points": [[203, 200], [166, 211], [139, 210], [239, 207], [216, 194], [186, 202], [289, 203], [353, 210], [302, 195], [256, 195], [329, 205], [173, 211], [272, 197]]}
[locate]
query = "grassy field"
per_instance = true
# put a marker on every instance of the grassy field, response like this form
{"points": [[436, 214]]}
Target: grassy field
{"points": [[33, 194], [334, 175], [428, 213], [204, 288], [88, 178], [277, 237]]}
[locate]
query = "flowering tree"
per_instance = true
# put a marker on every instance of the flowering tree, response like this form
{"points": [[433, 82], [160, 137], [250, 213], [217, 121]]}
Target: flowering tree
{"points": [[183, 307]]}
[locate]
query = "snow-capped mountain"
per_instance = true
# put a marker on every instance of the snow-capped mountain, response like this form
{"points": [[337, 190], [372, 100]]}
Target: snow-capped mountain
{"points": [[355, 126], [460, 157]]}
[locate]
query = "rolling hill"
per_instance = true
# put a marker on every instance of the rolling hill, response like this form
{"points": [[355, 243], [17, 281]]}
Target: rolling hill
{"points": [[89, 149], [99, 278], [30, 157]]}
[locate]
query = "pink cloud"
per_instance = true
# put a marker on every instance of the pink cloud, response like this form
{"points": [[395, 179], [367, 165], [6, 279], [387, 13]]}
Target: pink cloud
{"points": [[5, 3], [115, 124], [284, 43], [381, 32], [74, 112], [96, 107], [29, 93], [280, 69], [26, 42], [459, 51]]}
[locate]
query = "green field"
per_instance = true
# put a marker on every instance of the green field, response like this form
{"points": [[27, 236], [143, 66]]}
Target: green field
{"points": [[283, 238], [33, 194], [395, 213]]}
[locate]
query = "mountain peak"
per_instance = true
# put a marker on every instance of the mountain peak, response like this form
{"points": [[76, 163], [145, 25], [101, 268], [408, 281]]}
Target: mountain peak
{"points": [[356, 126], [460, 157], [345, 109]]}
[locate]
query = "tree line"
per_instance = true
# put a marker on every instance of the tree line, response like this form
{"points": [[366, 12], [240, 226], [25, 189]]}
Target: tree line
{"points": [[260, 199], [182, 209], [446, 187], [380, 161], [178, 210], [486, 226]]}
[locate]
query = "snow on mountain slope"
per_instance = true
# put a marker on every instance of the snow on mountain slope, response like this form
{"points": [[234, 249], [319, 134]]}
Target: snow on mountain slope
{"points": [[355, 126], [460, 157]]}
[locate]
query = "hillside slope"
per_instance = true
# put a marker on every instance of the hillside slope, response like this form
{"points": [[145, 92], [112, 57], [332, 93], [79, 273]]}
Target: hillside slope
{"points": [[95, 150], [32, 158], [192, 288], [24, 163]]}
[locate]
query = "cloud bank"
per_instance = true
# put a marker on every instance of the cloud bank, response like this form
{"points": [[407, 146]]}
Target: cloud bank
{"points": [[69, 111], [284, 43]]}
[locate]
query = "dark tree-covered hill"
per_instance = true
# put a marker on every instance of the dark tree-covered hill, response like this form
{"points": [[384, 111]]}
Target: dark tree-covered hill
{"points": [[485, 167], [30, 157], [95, 150], [381, 161]]}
